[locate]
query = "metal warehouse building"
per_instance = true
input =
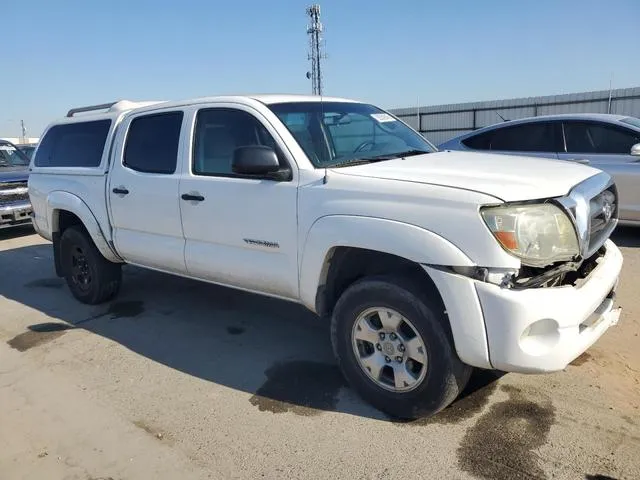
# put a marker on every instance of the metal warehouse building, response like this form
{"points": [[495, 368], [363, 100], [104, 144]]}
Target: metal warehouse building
{"points": [[439, 123]]}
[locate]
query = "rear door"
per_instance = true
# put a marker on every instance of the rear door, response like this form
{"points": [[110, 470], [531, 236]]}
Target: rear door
{"points": [[143, 191], [535, 139], [607, 147]]}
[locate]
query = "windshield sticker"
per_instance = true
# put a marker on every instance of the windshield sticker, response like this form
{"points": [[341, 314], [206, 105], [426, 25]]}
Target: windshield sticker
{"points": [[382, 117]]}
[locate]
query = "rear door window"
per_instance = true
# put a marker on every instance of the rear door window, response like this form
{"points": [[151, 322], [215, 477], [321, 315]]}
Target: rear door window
{"points": [[587, 137], [152, 143], [73, 145]]}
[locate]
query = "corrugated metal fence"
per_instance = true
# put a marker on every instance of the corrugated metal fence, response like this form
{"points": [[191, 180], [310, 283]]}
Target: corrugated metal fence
{"points": [[439, 123]]}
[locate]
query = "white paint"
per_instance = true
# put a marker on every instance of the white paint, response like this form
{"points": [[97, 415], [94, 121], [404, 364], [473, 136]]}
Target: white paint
{"points": [[388, 236], [465, 316], [275, 237], [508, 313], [223, 232], [146, 224], [508, 178]]}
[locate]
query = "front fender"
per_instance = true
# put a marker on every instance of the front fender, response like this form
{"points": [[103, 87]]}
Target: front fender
{"points": [[387, 236], [61, 200]]}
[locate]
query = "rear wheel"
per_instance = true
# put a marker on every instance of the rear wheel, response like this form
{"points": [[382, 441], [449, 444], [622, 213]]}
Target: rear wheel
{"points": [[393, 346], [91, 278]]}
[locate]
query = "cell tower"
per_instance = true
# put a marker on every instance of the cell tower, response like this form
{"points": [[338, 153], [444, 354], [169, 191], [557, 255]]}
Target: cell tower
{"points": [[314, 30]]}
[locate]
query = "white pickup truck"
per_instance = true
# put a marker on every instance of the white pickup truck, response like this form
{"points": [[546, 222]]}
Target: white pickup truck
{"points": [[426, 263]]}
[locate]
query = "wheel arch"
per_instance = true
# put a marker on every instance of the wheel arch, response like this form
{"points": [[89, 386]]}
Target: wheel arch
{"points": [[65, 209], [372, 245]]}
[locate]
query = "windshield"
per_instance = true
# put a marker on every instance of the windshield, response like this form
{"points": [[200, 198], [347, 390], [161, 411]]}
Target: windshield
{"points": [[341, 133], [10, 156], [28, 150], [632, 121]]}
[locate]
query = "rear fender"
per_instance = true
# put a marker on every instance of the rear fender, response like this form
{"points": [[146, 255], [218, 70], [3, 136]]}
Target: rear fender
{"points": [[58, 201]]}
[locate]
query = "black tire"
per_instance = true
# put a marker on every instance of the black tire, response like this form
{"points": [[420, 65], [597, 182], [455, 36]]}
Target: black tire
{"points": [[99, 280], [446, 375]]}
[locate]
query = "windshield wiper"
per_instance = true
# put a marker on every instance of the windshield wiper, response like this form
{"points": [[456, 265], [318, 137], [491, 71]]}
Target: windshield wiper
{"points": [[378, 158], [406, 153], [356, 161]]}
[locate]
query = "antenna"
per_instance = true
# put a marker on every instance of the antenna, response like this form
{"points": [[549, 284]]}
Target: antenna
{"points": [[314, 30], [610, 93], [503, 119]]}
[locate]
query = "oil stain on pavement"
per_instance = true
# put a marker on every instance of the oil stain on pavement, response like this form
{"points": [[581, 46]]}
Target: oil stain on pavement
{"points": [[501, 444], [37, 335], [45, 332], [469, 403], [301, 387]]}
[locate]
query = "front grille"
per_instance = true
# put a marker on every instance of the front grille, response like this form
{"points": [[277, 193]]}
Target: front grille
{"points": [[593, 205], [603, 212], [13, 192]]}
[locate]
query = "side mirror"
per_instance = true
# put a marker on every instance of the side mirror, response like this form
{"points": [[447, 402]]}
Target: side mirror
{"points": [[635, 150], [260, 161]]}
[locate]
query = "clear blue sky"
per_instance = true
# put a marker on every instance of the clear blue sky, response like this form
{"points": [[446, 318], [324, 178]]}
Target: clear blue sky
{"points": [[81, 52]]}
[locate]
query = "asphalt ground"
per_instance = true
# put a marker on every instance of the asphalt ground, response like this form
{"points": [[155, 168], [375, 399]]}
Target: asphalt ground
{"points": [[177, 379]]}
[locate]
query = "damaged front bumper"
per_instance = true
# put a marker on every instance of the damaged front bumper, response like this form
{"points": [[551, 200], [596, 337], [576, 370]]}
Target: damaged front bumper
{"points": [[527, 329]]}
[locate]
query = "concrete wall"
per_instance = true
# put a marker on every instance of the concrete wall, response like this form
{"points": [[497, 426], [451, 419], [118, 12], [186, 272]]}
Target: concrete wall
{"points": [[21, 140]]}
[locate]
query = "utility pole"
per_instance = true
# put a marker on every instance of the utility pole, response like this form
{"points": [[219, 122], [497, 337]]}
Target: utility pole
{"points": [[314, 30], [24, 131]]}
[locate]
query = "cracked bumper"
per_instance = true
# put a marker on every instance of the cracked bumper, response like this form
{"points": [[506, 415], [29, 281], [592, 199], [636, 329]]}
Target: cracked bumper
{"points": [[534, 330]]}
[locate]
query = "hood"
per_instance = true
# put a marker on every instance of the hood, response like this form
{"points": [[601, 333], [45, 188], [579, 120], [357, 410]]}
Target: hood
{"points": [[506, 177], [14, 174]]}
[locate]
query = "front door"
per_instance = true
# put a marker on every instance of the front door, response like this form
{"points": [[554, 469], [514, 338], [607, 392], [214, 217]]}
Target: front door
{"points": [[143, 191], [607, 147], [240, 231]]}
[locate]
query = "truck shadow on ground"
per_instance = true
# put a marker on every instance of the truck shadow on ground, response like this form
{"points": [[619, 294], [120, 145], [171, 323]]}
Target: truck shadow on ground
{"points": [[16, 232], [276, 351]]}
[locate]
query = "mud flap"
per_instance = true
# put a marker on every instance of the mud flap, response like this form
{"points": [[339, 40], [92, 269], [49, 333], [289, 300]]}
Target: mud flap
{"points": [[56, 254]]}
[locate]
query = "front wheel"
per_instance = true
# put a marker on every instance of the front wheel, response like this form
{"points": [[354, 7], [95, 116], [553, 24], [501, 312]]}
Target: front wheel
{"points": [[91, 278], [393, 347]]}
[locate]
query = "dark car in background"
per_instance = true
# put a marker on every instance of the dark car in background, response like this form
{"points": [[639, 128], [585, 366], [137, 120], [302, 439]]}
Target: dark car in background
{"points": [[15, 207], [603, 141]]}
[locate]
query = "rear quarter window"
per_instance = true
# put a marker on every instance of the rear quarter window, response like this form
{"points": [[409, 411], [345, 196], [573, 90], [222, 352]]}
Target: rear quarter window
{"points": [[73, 145]]}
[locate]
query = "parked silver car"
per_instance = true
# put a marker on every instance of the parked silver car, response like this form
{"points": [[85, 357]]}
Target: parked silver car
{"points": [[608, 142]]}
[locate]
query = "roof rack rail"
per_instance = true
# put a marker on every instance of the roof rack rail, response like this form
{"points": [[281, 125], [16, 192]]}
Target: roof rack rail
{"points": [[90, 108]]}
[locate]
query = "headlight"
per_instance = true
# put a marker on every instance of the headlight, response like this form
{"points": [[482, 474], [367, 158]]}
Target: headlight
{"points": [[537, 234]]}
